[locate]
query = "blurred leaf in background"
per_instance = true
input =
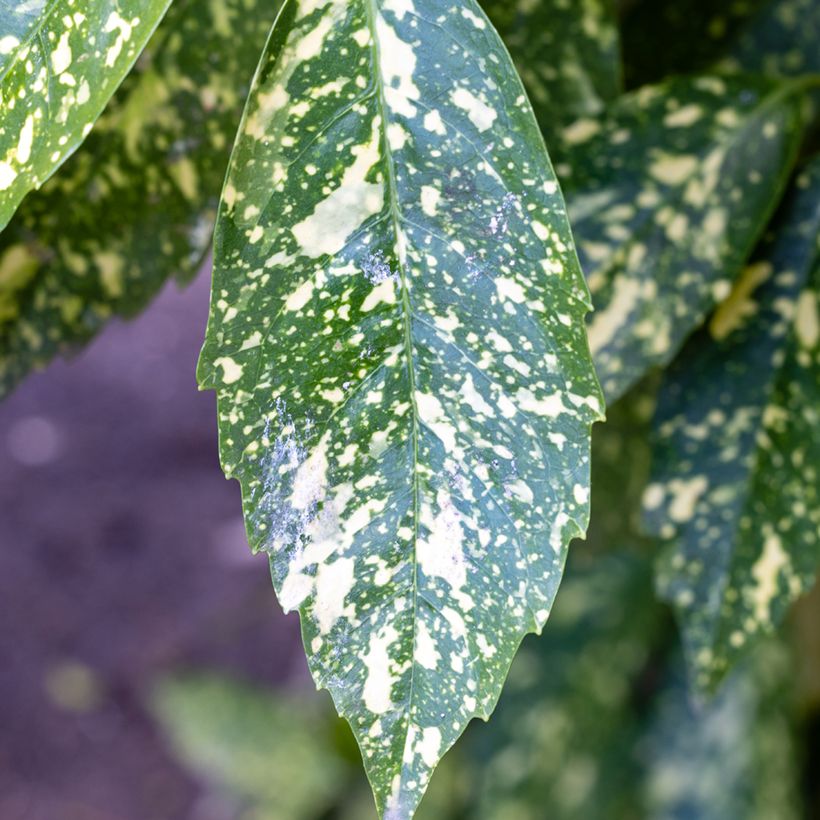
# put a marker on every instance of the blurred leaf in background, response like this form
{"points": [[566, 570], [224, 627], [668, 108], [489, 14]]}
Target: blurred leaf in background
{"points": [[136, 204], [264, 748]]}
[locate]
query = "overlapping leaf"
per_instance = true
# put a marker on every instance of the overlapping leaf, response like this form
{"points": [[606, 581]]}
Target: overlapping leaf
{"points": [[736, 475], [136, 204], [566, 52], [58, 72], [668, 194], [397, 344]]}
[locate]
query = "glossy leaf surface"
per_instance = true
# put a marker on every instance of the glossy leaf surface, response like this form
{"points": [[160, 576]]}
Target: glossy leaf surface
{"points": [[736, 467], [668, 194], [398, 348], [143, 189], [59, 70]]}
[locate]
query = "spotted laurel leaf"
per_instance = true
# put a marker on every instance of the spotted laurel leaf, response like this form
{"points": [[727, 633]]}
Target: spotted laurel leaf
{"points": [[61, 62], [398, 348], [735, 483], [668, 193], [567, 54]]}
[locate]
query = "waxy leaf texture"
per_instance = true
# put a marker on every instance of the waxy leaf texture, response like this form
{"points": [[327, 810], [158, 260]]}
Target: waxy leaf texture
{"points": [[398, 347]]}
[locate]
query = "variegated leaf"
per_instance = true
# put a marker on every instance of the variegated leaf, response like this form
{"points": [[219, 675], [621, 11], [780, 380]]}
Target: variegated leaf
{"points": [[736, 474], [566, 52], [398, 347], [18, 24], [782, 38], [58, 72], [668, 194], [143, 188]]}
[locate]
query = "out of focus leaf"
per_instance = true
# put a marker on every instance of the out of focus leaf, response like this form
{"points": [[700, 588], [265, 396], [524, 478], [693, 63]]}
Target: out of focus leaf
{"points": [[668, 194], [398, 347], [736, 480], [783, 38], [566, 52], [273, 751], [58, 70], [136, 204], [662, 37], [732, 758]]}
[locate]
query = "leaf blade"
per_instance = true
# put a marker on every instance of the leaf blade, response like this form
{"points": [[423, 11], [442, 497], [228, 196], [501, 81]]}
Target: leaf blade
{"points": [[651, 190], [726, 439], [365, 418]]}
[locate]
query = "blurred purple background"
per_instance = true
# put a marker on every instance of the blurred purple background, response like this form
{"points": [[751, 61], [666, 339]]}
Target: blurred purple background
{"points": [[122, 556]]}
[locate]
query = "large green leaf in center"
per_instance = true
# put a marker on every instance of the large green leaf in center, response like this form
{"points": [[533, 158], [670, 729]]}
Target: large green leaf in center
{"points": [[398, 347]]}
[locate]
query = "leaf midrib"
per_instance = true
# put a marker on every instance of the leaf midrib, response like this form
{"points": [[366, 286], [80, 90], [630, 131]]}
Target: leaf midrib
{"points": [[372, 12]]}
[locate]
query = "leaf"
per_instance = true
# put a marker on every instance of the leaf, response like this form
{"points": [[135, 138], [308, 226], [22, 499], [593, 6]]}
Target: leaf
{"points": [[735, 483], [247, 742], [662, 38], [164, 140], [780, 39], [55, 83], [397, 343], [733, 757], [667, 196], [566, 53]]}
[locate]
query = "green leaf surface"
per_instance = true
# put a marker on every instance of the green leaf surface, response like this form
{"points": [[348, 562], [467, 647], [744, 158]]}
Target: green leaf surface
{"points": [[668, 194], [566, 52], [136, 204], [735, 481], [259, 746], [55, 81], [782, 38], [398, 347], [18, 24]]}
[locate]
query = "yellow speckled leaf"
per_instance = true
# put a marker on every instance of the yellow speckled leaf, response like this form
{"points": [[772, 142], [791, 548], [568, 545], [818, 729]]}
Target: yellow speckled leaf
{"points": [[60, 63], [668, 193], [736, 485], [398, 348], [144, 188]]}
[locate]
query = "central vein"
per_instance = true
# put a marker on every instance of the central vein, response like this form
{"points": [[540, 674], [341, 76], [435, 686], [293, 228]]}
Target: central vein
{"points": [[392, 192]]}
